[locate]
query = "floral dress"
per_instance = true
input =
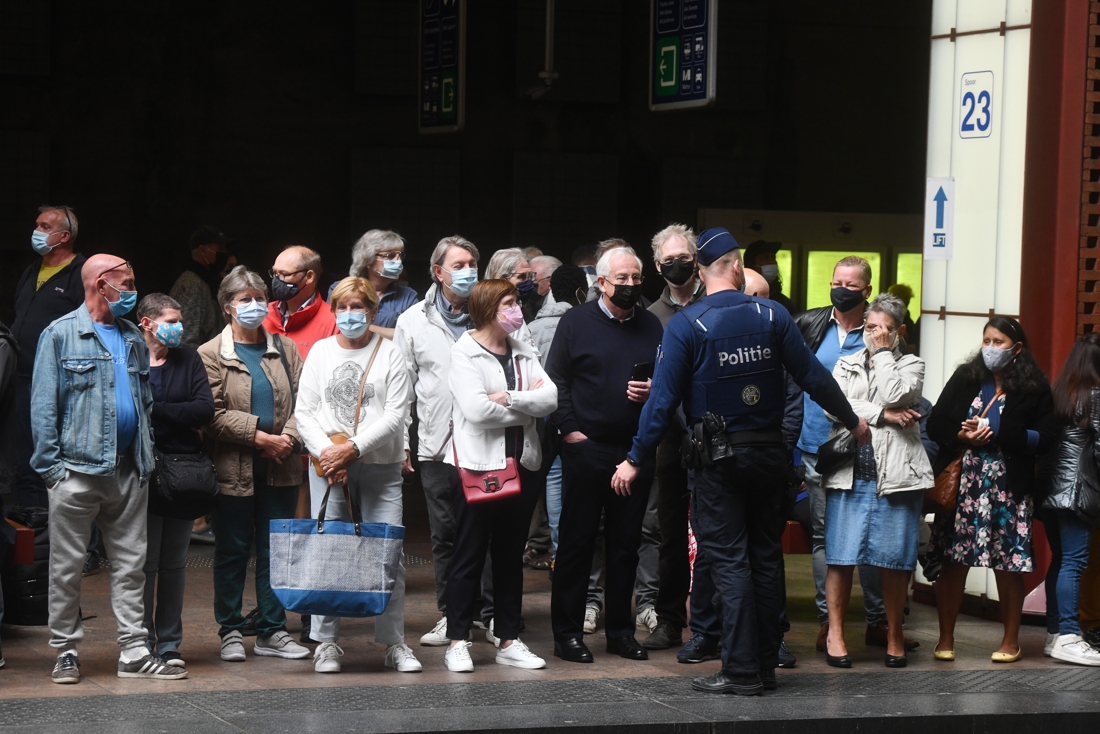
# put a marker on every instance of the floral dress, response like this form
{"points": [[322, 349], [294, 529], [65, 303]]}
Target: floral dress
{"points": [[989, 529]]}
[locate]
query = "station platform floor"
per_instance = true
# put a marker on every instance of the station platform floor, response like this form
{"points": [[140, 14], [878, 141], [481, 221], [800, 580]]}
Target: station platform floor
{"points": [[273, 695]]}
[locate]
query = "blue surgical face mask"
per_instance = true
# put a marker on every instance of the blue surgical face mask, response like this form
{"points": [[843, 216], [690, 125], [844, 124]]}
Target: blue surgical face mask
{"points": [[352, 324], [462, 281], [125, 303], [39, 242], [392, 269], [252, 314], [169, 334]]}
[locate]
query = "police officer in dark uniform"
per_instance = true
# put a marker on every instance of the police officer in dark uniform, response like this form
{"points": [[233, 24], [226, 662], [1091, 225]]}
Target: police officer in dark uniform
{"points": [[724, 357]]}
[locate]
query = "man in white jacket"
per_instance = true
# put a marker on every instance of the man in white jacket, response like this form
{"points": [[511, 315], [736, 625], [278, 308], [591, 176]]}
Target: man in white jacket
{"points": [[425, 334]]}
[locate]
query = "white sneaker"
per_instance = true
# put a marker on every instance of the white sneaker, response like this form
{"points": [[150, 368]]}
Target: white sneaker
{"points": [[233, 647], [279, 645], [400, 657], [1073, 649], [1049, 644], [591, 614], [438, 636], [457, 659], [326, 658], [490, 637], [519, 656], [647, 619]]}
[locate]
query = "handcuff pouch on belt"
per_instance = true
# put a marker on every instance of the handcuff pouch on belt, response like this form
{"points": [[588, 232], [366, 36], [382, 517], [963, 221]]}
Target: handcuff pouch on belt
{"points": [[708, 441]]}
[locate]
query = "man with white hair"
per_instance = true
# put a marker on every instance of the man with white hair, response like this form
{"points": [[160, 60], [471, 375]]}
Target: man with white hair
{"points": [[425, 333], [600, 359], [674, 249]]}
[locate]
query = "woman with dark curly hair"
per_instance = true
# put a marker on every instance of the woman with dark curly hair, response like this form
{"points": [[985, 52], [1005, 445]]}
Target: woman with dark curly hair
{"points": [[997, 411]]}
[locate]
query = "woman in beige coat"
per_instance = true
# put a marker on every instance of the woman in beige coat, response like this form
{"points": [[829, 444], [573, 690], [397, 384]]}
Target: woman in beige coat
{"points": [[257, 454], [873, 507]]}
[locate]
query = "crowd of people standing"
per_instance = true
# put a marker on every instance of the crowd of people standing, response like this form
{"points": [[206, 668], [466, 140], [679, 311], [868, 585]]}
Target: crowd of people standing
{"points": [[622, 418]]}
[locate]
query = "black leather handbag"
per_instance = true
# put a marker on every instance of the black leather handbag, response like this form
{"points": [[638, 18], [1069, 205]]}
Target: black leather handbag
{"points": [[836, 452], [185, 486]]}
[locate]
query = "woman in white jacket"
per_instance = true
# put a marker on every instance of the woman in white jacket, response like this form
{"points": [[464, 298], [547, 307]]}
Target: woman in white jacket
{"points": [[330, 389], [499, 391], [873, 507]]}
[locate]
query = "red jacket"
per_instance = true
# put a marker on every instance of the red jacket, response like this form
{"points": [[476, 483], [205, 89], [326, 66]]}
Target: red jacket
{"points": [[305, 327]]}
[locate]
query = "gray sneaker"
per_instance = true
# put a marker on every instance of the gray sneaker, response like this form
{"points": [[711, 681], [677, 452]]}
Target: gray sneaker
{"points": [[150, 666], [67, 669], [233, 647], [280, 645]]}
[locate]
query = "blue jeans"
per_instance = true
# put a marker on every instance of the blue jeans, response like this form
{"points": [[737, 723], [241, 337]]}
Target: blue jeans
{"points": [[553, 500], [1069, 549], [165, 563]]}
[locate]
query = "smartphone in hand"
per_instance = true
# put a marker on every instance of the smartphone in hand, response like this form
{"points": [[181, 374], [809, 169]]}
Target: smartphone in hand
{"points": [[641, 372]]}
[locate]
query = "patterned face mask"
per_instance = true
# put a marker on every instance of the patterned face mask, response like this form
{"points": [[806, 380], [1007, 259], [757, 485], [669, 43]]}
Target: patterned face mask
{"points": [[169, 334]]}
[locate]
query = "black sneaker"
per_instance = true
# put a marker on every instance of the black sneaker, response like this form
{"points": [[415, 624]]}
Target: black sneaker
{"points": [[1092, 637], [767, 678], [786, 657], [698, 649], [66, 669], [150, 666]]}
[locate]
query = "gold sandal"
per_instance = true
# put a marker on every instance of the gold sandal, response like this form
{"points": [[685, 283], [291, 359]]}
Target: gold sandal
{"points": [[1004, 657]]}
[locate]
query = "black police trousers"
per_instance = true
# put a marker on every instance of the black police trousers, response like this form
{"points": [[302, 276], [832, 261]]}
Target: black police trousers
{"points": [[736, 521], [587, 468]]}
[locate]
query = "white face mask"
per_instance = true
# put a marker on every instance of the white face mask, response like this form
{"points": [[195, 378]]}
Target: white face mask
{"points": [[893, 343]]}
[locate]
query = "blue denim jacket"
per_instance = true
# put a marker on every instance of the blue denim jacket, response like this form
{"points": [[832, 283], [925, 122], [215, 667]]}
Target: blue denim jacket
{"points": [[73, 398]]}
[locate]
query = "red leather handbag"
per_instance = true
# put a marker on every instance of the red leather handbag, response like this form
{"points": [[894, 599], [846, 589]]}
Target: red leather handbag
{"points": [[495, 484]]}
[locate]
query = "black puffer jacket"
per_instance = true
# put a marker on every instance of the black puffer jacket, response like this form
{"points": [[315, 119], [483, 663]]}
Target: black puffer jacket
{"points": [[1060, 471]]}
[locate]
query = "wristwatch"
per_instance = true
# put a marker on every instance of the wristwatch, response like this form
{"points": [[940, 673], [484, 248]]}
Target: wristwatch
{"points": [[632, 462], [355, 446], [508, 400]]}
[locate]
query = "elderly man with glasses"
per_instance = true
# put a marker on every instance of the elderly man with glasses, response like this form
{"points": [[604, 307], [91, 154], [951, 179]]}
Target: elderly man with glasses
{"points": [[49, 288], [94, 450], [297, 310], [601, 359]]}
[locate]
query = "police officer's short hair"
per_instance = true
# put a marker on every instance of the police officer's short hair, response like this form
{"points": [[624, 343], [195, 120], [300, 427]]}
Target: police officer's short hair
{"points": [[445, 244], [855, 261], [890, 305], [603, 267], [723, 262], [675, 230]]}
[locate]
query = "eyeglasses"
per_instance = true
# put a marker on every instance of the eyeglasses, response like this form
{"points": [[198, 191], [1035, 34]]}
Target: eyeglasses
{"points": [[68, 219], [522, 276], [668, 261], [394, 255], [874, 328], [626, 279], [124, 264], [283, 276]]}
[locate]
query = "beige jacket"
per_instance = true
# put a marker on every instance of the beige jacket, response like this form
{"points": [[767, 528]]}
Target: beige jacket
{"points": [[233, 429], [902, 463]]}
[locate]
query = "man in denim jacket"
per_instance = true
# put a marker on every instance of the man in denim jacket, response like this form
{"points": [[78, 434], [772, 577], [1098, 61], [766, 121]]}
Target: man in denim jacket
{"points": [[94, 450]]}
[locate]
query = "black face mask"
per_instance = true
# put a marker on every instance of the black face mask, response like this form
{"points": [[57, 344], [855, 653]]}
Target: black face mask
{"points": [[526, 290], [845, 299], [678, 272], [221, 259], [626, 296], [283, 291]]}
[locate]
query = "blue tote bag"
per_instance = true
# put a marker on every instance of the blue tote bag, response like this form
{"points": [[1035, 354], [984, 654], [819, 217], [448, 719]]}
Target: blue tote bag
{"points": [[335, 568]]}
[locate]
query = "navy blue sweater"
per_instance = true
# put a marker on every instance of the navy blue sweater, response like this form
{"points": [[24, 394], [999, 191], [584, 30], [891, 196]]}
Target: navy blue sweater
{"points": [[182, 402], [590, 361]]}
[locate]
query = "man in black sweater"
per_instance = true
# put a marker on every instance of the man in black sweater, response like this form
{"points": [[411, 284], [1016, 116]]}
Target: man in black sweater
{"points": [[592, 359], [49, 288]]}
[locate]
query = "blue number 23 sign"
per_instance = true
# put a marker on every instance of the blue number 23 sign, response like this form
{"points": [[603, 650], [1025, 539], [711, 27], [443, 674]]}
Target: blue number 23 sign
{"points": [[976, 113]]}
